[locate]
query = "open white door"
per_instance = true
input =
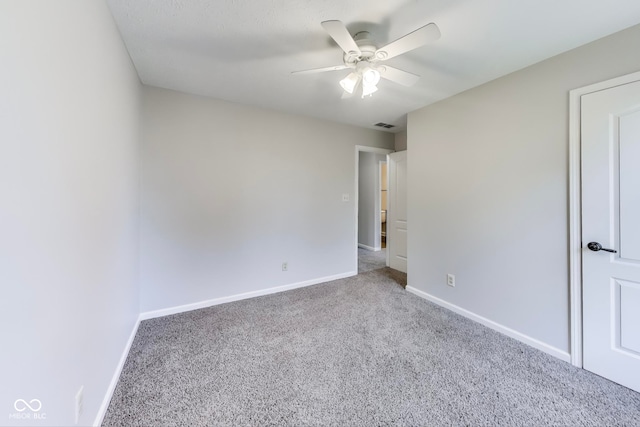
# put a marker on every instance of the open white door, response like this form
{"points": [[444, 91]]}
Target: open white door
{"points": [[610, 132], [397, 215]]}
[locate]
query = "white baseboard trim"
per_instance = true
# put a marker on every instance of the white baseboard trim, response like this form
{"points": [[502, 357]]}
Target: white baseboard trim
{"points": [[116, 376], [222, 300], [369, 248], [553, 351]]}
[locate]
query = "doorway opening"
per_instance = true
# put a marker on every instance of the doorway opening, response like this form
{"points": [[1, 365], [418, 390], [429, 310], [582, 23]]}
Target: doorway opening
{"points": [[370, 217], [383, 203]]}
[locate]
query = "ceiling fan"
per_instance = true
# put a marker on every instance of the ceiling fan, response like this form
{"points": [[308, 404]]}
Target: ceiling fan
{"points": [[363, 56]]}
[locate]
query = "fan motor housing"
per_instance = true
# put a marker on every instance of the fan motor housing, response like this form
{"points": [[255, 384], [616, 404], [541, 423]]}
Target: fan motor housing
{"points": [[367, 48]]}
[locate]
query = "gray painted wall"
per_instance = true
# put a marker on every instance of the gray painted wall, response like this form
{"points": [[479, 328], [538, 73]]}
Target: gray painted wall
{"points": [[488, 190], [401, 141], [229, 192], [369, 198], [68, 206]]}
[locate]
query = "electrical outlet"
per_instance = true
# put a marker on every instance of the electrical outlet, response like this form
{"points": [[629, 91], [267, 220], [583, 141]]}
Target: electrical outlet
{"points": [[451, 280], [285, 266], [79, 403]]}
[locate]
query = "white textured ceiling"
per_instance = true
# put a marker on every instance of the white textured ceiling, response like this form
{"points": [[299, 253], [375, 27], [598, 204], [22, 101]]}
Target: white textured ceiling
{"points": [[244, 50]]}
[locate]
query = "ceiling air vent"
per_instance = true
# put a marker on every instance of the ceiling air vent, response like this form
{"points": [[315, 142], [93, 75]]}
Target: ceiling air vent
{"points": [[384, 125]]}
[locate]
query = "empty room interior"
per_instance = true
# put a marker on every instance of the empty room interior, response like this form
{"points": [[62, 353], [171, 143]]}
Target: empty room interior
{"points": [[352, 213]]}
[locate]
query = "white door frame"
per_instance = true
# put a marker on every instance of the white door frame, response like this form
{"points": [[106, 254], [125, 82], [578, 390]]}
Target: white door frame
{"points": [[575, 209], [367, 149]]}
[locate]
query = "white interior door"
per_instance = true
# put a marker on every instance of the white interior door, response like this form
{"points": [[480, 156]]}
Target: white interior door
{"points": [[610, 134], [397, 215]]}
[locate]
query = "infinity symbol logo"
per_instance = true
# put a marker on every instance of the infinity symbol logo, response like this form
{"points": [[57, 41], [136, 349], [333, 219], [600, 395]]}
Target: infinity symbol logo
{"points": [[21, 405]]}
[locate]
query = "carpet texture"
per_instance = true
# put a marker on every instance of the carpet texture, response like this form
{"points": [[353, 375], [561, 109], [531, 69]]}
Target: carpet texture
{"points": [[354, 352], [371, 260]]}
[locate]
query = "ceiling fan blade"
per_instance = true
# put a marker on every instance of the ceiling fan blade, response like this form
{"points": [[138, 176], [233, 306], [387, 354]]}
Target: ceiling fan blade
{"points": [[395, 75], [413, 40], [321, 70], [340, 34]]}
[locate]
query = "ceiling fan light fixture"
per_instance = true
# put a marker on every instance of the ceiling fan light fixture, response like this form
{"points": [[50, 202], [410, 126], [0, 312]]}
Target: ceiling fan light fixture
{"points": [[350, 82], [368, 90], [370, 77]]}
